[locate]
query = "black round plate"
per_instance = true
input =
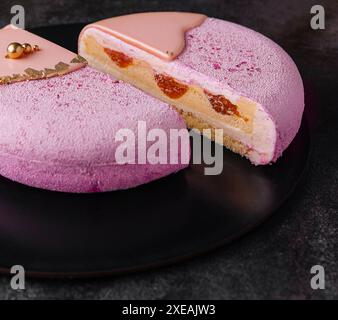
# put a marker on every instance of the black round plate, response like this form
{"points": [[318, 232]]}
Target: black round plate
{"points": [[56, 234]]}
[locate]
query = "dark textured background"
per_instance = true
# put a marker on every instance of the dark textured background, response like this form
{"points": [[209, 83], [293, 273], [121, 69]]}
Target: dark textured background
{"points": [[274, 261]]}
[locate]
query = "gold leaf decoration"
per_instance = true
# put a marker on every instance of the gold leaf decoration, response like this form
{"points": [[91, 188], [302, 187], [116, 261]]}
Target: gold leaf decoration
{"points": [[61, 66], [5, 80], [34, 74], [60, 69], [16, 76], [79, 59], [49, 72]]}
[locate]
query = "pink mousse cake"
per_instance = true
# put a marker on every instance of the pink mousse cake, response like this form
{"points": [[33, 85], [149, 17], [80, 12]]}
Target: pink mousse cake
{"points": [[218, 75], [59, 119]]}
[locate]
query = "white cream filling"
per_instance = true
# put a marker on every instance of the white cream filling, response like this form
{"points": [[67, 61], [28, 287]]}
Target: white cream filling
{"points": [[261, 141]]}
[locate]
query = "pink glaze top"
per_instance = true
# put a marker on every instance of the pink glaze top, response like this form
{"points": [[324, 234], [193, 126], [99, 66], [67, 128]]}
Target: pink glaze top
{"points": [[159, 33], [47, 58]]}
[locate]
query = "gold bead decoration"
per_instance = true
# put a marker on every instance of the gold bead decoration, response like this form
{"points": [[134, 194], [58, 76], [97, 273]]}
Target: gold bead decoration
{"points": [[27, 48], [16, 50]]}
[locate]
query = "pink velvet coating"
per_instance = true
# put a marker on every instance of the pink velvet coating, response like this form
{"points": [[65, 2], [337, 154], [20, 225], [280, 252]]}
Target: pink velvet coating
{"points": [[252, 65], [145, 30], [59, 133]]}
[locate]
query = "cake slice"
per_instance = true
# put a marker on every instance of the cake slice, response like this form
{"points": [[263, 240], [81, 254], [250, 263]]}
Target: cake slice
{"points": [[217, 74], [59, 120]]}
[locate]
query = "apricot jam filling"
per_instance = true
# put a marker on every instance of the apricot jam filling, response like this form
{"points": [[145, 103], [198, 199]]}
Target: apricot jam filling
{"points": [[222, 105], [122, 60], [170, 86]]}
